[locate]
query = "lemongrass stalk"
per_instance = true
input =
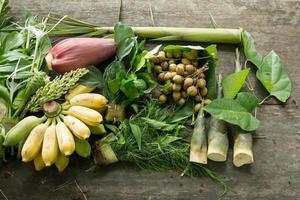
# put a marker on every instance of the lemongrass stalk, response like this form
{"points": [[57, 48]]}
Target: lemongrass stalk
{"points": [[242, 149], [71, 26], [198, 152], [217, 136]]}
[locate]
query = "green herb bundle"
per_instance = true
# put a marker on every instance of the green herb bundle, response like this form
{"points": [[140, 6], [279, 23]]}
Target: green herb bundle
{"points": [[153, 139]]}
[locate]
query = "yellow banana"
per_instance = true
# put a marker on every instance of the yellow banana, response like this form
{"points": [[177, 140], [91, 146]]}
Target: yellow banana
{"points": [[33, 143], [21, 130], [86, 115], [50, 146], [78, 89], [91, 100], [78, 128], [39, 163], [65, 139], [61, 162]]}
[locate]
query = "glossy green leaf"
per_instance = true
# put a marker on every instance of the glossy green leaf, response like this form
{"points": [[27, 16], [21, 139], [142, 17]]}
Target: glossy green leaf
{"points": [[233, 112], [247, 100], [4, 94], [141, 58], [121, 32], [82, 148], [211, 51], [12, 40], [274, 77], [124, 47], [233, 83], [93, 78], [137, 133], [249, 49]]}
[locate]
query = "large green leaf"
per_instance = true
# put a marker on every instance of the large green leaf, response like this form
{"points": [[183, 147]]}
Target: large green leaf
{"points": [[233, 83], [249, 49], [274, 77], [121, 32], [247, 100], [233, 112], [93, 78]]}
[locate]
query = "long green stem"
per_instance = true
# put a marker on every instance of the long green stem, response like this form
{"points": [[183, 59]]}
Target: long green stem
{"points": [[217, 136], [71, 26]]}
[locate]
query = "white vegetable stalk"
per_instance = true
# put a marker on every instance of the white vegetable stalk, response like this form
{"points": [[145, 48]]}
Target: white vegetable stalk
{"points": [[242, 149], [217, 136], [198, 151]]}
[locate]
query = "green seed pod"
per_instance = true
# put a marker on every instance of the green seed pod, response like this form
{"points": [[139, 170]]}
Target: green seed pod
{"points": [[185, 61], [180, 69]]}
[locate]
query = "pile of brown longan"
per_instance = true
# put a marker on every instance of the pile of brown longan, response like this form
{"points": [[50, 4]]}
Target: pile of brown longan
{"points": [[180, 68]]}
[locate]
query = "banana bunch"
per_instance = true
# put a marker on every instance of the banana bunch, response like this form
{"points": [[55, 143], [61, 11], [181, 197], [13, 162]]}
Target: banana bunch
{"points": [[63, 130]]}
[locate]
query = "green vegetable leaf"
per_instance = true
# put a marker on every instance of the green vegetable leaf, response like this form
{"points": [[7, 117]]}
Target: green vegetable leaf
{"points": [[167, 139], [274, 77], [181, 113], [161, 125], [11, 41], [137, 133], [249, 49], [182, 48], [82, 148], [121, 32], [4, 94], [211, 73], [247, 100], [141, 58], [93, 78], [233, 83], [233, 112], [124, 47], [151, 84]]}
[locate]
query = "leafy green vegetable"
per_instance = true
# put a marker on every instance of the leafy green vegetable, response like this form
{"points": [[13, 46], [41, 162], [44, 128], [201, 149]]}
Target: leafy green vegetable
{"points": [[271, 71], [4, 94], [211, 52], [274, 77], [93, 78], [137, 132], [235, 111], [234, 82], [247, 100]]}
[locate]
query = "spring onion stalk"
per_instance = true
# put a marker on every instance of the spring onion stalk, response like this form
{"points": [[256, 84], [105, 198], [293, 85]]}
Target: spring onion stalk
{"points": [[242, 149], [198, 152], [217, 136], [71, 26]]}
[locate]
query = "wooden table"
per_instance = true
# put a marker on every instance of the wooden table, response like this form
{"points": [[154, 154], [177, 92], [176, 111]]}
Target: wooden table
{"points": [[276, 171]]}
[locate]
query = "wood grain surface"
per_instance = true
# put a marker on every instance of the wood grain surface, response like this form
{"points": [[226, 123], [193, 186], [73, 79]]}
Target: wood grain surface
{"points": [[275, 174]]}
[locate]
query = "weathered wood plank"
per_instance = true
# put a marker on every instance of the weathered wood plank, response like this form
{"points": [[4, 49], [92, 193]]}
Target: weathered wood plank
{"points": [[275, 173]]}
